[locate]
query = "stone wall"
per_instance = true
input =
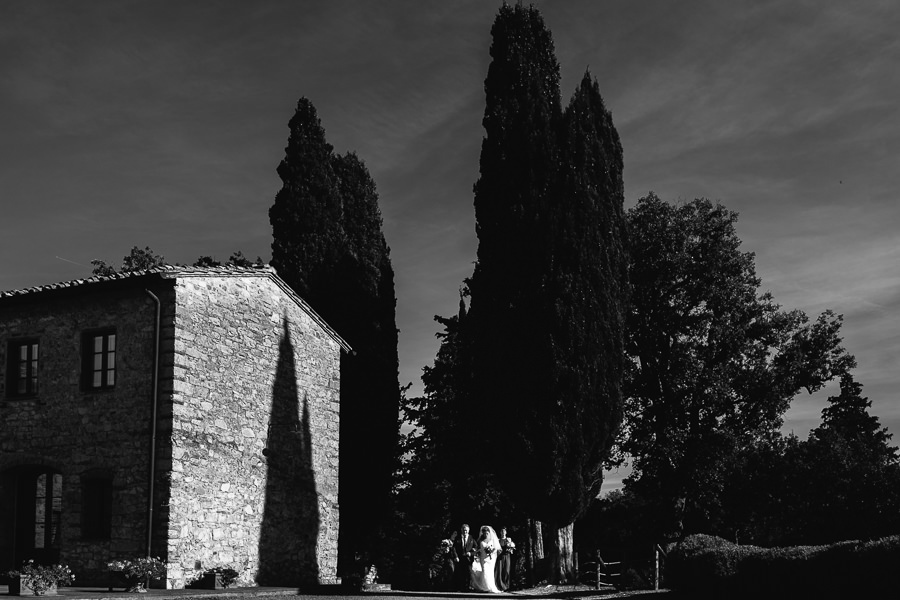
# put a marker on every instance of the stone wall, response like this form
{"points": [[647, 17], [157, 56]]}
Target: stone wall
{"points": [[254, 443], [74, 432]]}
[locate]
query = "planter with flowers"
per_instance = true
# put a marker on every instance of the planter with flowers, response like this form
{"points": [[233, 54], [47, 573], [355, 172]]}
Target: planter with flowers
{"points": [[370, 580], [220, 577], [137, 572], [38, 580], [217, 578]]}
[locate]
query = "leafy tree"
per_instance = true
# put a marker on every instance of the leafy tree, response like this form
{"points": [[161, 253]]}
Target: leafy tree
{"points": [[616, 523], [434, 451], [102, 269], [141, 260], [237, 259], [136, 260], [207, 261], [764, 497], [548, 288], [438, 485], [847, 417], [853, 475], [713, 364], [329, 247], [842, 483]]}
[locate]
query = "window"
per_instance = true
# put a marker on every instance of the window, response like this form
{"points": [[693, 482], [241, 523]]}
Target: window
{"points": [[22, 368], [98, 360], [47, 510], [96, 507]]}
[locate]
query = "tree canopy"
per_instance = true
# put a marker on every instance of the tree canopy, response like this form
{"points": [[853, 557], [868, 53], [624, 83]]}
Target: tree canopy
{"points": [[328, 245], [440, 482], [525, 393], [546, 312], [236, 259], [852, 472], [713, 363], [142, 259], [842, 483], [136, 260]]}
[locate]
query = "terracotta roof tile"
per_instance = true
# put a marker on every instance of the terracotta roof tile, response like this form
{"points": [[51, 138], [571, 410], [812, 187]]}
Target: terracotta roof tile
{"points": [[175, 271], [165, 270]]}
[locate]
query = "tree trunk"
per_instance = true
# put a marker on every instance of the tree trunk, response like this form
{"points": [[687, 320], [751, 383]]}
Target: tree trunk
{"points": [[537, 535], [534, 551], [561, 553]]}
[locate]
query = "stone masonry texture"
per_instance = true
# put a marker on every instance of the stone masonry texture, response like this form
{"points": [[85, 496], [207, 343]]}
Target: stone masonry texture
{"points": [[246, 447], [74, 432]]}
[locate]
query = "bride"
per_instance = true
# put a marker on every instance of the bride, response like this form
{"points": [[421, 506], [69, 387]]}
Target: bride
{"points": [[486, 551]]}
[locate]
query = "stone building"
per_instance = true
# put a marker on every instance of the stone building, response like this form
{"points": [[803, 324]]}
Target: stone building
{"points": [[189, 413]]}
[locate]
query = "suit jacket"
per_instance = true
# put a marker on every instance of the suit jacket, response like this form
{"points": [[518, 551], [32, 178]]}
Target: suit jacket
{"points": [[465, 551]]}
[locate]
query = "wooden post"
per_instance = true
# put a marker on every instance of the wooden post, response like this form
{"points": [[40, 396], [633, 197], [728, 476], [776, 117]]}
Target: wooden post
{"points": [[656, 566], [529, 553], [599, 568]]}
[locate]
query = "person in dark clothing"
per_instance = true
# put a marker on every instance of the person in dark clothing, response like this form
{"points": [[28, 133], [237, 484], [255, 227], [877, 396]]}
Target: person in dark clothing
{"points": [[503, 568], [465, 554]]}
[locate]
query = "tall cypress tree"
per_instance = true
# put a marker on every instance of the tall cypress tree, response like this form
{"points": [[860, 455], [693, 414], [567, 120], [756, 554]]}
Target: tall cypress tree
{"points": [[307, 235], [548, 289], [508, 317], [590, 289], [328, 245]]}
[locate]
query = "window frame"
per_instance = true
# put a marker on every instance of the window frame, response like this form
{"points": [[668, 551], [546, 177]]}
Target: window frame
{"points": [[32, 365], [89, 354]]}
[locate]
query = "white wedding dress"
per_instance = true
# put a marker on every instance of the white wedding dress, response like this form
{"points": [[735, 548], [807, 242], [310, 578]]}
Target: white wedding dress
{"points": [[487, 549]]}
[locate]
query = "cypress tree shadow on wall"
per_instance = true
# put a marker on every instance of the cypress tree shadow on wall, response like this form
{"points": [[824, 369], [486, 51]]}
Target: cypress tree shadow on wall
{"points": [[290, 522]]}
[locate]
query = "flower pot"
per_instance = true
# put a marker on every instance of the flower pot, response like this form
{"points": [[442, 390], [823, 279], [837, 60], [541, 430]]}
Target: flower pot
{"points": [[17, 587], [136, 572], [116, 579], [211, 581]]}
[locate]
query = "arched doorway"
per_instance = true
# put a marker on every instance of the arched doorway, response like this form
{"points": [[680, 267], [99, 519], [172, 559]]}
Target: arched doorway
{"points": [[30, 515]]}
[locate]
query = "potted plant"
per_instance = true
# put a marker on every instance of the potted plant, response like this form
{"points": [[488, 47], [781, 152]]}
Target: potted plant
{"points": [[217, 578], [370, 579], [138, 572], [39, 580]]}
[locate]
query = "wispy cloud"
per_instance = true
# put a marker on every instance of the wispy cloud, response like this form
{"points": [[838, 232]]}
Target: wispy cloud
{"points": [[161, 124]]}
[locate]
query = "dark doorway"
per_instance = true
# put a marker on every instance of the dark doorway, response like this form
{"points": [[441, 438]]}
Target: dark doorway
{"points": [[30, 516]]}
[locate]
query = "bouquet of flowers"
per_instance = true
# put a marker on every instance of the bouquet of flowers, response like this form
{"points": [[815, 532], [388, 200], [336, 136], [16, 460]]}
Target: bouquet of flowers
{"points": [[488, 550], [446, 545], [507, 545]]}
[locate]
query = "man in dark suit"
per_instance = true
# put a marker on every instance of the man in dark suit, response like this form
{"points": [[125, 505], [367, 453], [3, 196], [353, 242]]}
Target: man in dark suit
{"points": [[465, 554]]}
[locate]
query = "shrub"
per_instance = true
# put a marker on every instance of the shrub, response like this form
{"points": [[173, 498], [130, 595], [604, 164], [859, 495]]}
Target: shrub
{"points": [[635, 579], [705, 565]]}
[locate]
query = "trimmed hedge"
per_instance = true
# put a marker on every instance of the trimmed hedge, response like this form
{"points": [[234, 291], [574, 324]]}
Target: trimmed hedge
{"points": [[711, 566]]}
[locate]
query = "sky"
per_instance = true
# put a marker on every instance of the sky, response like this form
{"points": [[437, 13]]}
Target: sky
{"points": [[161, 123]]}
